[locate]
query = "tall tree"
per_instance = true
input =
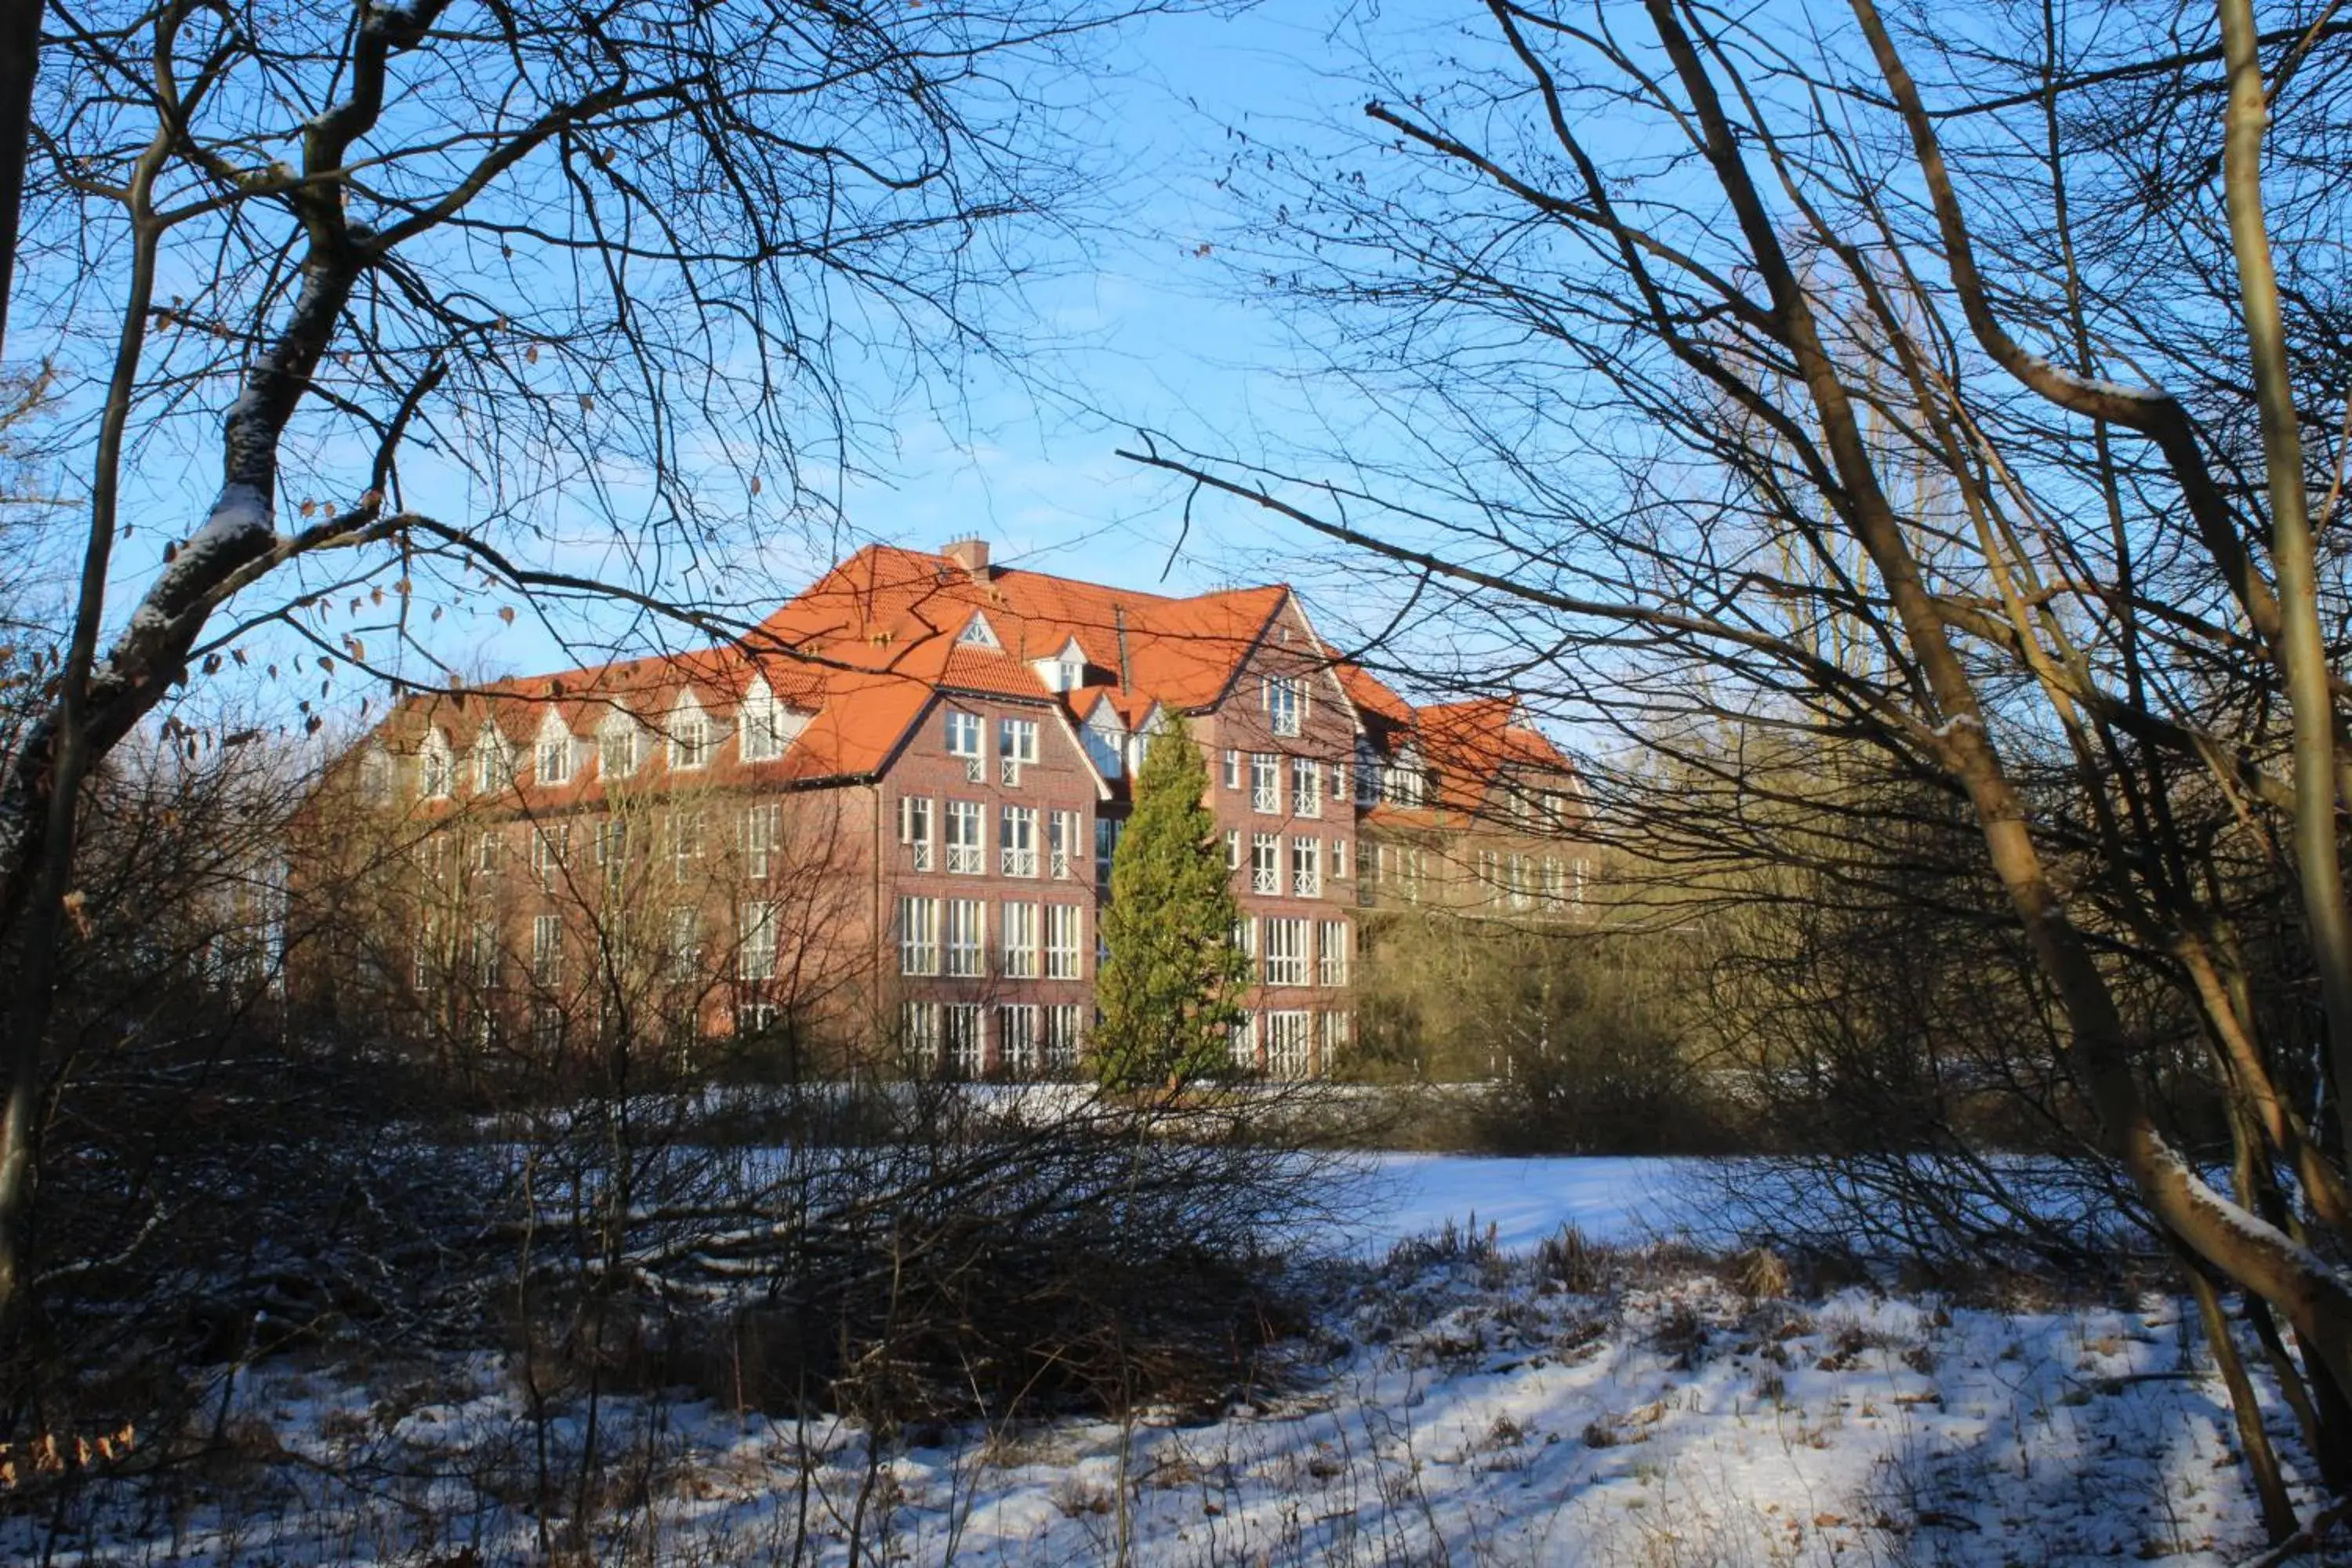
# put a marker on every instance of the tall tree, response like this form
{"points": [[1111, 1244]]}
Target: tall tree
{"points": [[1927, 391], [1169, 992], [467, 293]]}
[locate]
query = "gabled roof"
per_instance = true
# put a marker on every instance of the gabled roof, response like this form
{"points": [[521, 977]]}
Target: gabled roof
{"points": [[864, 650], [1473, 743]]}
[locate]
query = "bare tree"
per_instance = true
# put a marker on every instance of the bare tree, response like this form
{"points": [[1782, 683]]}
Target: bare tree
{"points": [[630, 266], [1744, 383]]}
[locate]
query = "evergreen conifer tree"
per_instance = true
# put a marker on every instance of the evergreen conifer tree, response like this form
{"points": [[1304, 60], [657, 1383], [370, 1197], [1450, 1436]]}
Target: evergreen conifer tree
{"points": [[1169, 990]]}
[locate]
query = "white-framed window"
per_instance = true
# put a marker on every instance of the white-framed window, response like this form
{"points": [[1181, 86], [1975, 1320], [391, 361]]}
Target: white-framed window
{"points": [[487, 847], [1403, 782], [1343, 858], [1265, 782], [966, 1042], [762, 736], [1286, 704], [967, 938], [428, 960], [1555, 883], [487, 952], [1016, 841], [375, 777], [919, 1023], [1410, 863], [1245, 935], [685, 844], [1288, 1040], [1331, 944], [1016, 748], [1241, 1043], [1336, 1029], [1266, 863], [1064, 931], [1233, 848], [754, 1019], [1233, 768], [978, 633], [915, 830], [689, 737], [1286, 951], [918, 936], [966, 741], [1064, 1022], [683, 944], [1016, 1039], [616, 746], [1018, 919], [1107, 832], [547, 950], [1515, 880], [552, 762], [493, 763], [755, 956], [764, 830], [1305, 786], [438, 772], [967, 852], [1062, 843], [1490, 876], [550, 845], [1104, 739], [613, 849], [1307, 868]]}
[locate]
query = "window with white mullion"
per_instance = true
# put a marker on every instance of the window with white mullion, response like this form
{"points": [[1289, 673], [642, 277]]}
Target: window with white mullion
{"points": [[915, 830], [1016, 841], [967, 854], [1019, 919], [1266, 863]]}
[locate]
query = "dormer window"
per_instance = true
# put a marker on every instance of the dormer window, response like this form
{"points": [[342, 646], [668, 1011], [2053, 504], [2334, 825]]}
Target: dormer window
{"points": [[978, 633], [493, 762], [617, 747], [1286, 704], [553, 762], [689, 736], [1106, 742], [375, 777], [1065, 671], [437, 770], [767, 727]]}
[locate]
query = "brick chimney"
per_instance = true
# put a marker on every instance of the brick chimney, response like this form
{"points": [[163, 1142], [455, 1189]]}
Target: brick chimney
{"points": [[972, 554]]}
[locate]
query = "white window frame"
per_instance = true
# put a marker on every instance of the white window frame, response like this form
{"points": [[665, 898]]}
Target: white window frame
{"points": [[763, 832], [690, 741], [1016, 748], [967, 853], [547, 950], [1016, 841], [682, 944], [493, 763], [1018, 924], [437, 771], [685, 829], [1343, 856], [1064, 830], [918, 935], [1065, 926], [552, 758], [1305, 868], [919, 829], [762, 736], [1334, 940], [1305, 786], [918, 1022], [612, 848], [755, 949], [1289, 1043], [1265, 783], [1017, 1041], [967, 740], [966, 944], [1266, 863], [963, 1038], [1286, 937], [1064, 1034], [1233, 767], [1233, 848], [550, 845], [618, 732], [1286, 704]]}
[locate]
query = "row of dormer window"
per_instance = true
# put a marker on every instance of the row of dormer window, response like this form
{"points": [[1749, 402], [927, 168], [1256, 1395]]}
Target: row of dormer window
{"points": [[765, 727]]}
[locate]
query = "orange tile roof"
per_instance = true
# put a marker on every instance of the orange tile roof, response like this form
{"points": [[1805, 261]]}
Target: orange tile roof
{"points": [[862, 652]]}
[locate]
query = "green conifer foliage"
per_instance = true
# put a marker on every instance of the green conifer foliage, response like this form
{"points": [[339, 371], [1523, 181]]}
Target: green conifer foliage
{"points": [[1171, 989]]}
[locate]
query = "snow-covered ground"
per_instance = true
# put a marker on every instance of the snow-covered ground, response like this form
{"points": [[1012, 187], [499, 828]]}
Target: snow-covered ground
{"points": [[1458, 1404]]}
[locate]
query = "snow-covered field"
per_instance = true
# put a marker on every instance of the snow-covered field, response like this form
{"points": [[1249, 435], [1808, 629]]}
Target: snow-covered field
{"points": [[1458, 1404]]}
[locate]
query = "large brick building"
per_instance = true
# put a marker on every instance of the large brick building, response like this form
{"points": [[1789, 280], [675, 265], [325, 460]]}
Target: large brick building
{"points": [[888, 816]]}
